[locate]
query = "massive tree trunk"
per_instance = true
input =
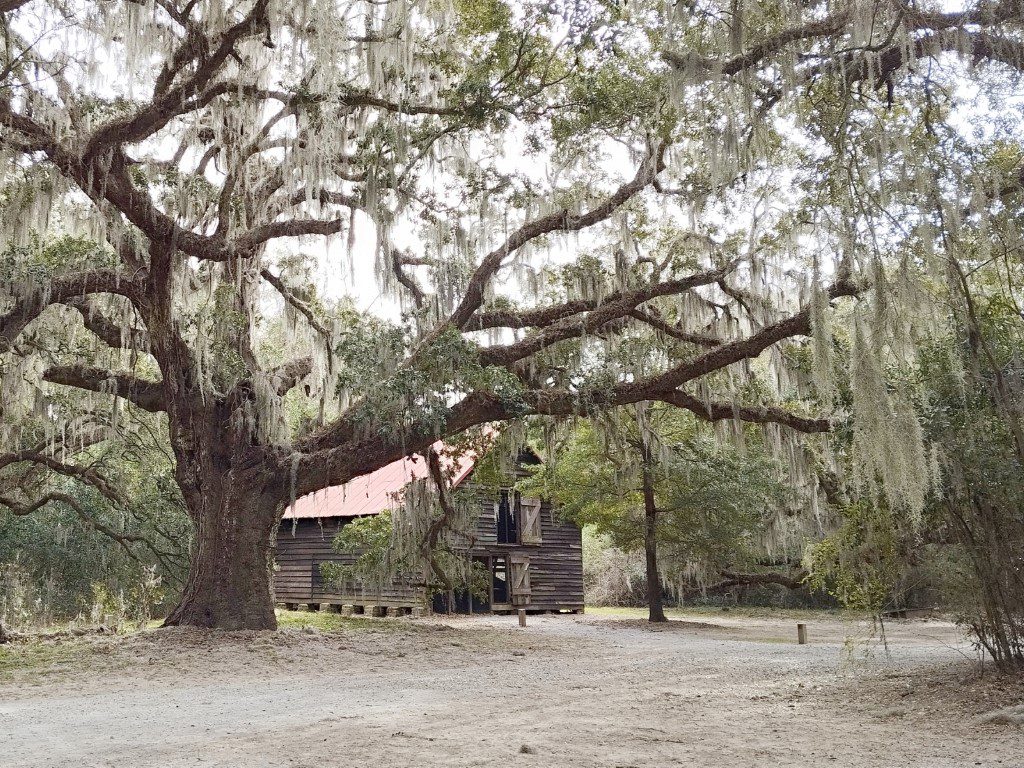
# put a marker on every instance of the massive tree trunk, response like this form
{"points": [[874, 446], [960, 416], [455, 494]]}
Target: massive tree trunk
{"points": [[229, 581], [233, 493], [656, 610]]}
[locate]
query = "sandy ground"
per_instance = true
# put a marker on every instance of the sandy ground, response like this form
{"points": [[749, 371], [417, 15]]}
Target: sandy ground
{"points": [[565, 691]]}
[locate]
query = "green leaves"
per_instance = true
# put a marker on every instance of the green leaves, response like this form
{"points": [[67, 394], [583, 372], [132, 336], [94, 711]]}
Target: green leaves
{"points": [[864, 563], [712, 500], [394, 391], [44, 257]]}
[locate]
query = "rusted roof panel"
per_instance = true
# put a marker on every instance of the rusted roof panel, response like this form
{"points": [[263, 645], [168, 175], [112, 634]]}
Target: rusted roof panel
{"points": [[372, 493]]}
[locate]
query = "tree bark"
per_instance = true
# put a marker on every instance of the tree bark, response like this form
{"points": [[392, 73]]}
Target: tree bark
{"points": [[233, 495], [229, 581], [656, 609]]}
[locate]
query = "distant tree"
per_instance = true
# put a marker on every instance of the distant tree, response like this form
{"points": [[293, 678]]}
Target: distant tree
{"points": [[193, 140], [653, 481]]}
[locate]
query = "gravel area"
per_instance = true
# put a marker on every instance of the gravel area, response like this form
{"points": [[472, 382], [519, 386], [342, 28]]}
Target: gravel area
{"points": [[565, 691]]}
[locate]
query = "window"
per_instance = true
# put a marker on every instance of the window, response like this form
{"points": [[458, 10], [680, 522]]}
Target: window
{"points": [[506, 520]]}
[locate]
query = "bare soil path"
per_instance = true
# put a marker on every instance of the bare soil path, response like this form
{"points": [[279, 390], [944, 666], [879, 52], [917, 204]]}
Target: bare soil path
{"points": [[566, 691]]}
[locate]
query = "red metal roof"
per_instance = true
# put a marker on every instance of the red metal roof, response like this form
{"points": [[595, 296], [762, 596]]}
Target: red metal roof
{"points": [[375, 492]]}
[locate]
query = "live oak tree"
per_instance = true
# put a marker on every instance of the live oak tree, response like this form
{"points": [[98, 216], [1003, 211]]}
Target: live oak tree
{"points": [[710, 170]]}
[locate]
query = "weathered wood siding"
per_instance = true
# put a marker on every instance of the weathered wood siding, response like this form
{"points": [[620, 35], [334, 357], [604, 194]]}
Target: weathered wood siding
{"points": [[556, 564], [300, 550]]}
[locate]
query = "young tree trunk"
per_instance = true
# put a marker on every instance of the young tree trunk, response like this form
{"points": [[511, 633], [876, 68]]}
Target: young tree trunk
{"points": [[656, 610]]}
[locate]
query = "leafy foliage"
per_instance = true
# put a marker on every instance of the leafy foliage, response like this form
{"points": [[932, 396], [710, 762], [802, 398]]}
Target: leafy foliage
{"points": [[713, 501]]}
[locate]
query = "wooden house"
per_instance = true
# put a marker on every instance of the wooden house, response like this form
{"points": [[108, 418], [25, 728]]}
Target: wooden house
{"points": [[535, 559]]}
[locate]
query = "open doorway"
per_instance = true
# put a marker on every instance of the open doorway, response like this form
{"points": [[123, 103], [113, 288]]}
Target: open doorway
{"points": [[482, 603], [499, 583]]}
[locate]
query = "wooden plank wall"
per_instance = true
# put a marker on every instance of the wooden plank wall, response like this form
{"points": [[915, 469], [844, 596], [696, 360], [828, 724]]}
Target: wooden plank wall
{"points": [[300, 550], [556, 564]]}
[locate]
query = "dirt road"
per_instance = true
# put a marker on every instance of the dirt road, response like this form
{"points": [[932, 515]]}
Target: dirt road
{"points": [[566, 691]]}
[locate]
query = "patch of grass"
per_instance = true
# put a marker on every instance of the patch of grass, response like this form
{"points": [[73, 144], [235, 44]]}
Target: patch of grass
{"points": [[38, 657], [325, 621]]}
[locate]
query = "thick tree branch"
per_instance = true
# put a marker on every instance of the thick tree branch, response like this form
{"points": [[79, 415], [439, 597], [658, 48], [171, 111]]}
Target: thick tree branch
{"points": [[63, 289], [6, 6], [286, 376], [174, 100], [925, 24], [545, 316], [107, 179], [730, 579], [654, 319], [828, 27], [257, 236], [561, 221], [615, 307], [111, 332], [296, 302], [753, 414], [339, 451], [798, 324], [148, 395]]}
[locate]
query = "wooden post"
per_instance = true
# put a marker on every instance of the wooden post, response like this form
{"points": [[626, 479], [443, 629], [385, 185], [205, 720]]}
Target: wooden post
{"points": [[522, 617], [801, 634]]}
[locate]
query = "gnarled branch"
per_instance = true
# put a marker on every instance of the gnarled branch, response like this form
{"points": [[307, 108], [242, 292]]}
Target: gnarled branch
{"points": [[62, 289], [734, 579], [148, 395], [561, 221], [339, 452], [616, 307], [754, 414], [286, 376], [111, 332], [295, 301]]}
